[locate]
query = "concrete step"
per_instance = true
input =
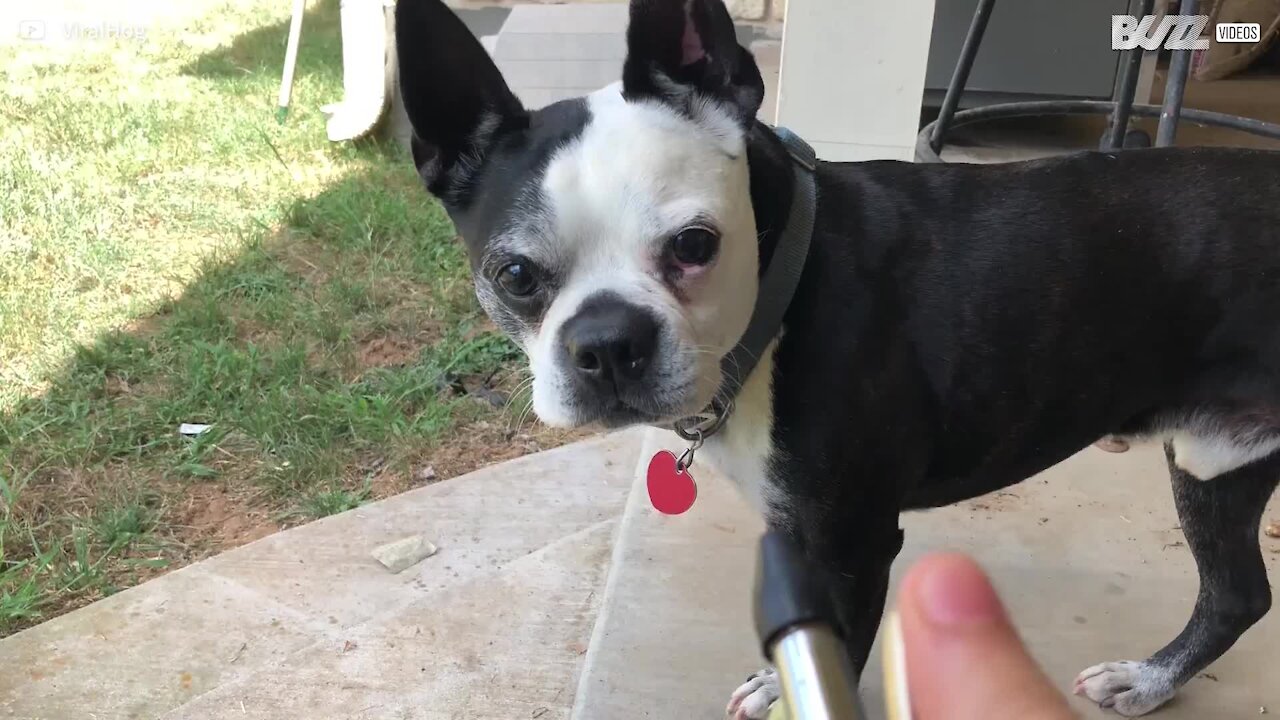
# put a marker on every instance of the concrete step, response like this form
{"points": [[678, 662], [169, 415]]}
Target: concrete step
{"points": [[306, 624], [671, 639], [1087, 556]]}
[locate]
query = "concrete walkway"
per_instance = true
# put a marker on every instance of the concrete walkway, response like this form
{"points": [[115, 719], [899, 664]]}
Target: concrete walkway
{"points": [[306, 624]]}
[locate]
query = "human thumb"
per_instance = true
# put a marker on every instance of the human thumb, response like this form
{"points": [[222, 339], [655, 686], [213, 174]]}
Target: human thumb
{"points": [[964, 660]]}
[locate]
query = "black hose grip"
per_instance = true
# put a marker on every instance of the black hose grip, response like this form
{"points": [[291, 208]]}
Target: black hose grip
{"points": [[789, 591]]}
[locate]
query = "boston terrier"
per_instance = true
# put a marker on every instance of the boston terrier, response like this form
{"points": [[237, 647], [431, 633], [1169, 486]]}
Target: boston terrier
{"points": [[955, 329]]}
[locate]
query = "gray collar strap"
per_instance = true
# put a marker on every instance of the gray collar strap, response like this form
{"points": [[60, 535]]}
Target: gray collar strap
{"points": [[777, 287]]}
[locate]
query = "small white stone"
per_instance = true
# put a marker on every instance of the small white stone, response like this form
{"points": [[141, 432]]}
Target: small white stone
{"points": [[404, 553]]}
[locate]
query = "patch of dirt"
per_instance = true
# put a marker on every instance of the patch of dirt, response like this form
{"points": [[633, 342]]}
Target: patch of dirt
{"points": [[485, 443], [253, 332], [149, 326], [117, 386], [483, 326], [470, 447], [387, 351], [215, 520], [502, 430], [291, 249], [385, 482], [999, 501]]}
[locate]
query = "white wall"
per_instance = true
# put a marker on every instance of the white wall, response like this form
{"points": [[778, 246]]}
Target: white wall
{"points": [[853, 75]]}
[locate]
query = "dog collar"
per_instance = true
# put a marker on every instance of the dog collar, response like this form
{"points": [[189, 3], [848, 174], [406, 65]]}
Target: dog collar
{"points": [[777, 288], [671, 487]]}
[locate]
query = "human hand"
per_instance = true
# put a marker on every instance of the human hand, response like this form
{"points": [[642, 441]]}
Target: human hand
{"points": [[964, 659]]}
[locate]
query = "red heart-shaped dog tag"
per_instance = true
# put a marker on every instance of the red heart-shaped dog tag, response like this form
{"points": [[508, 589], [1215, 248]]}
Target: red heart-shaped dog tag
{"points": [[671, 488]]}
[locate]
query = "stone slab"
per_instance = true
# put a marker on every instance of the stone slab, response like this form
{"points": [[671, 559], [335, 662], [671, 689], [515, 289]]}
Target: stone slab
{"points": [[505, 645]]}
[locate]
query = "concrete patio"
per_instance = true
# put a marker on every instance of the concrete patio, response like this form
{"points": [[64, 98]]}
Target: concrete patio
{"points": [[558, 593]]}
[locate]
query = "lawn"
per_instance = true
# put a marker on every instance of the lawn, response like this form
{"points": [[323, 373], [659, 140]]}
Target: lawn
{"points": [[170, 254]]}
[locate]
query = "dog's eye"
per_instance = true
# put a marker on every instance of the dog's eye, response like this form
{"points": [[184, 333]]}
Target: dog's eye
{"points": [[694, 246], [517, 279]]}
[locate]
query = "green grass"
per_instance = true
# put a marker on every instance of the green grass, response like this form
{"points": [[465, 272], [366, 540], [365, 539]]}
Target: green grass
{"points": [[170, 254], [322, 503]]}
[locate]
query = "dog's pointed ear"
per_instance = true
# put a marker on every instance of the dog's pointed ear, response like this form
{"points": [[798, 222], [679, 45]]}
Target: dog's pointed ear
{"points": [[454, 95], [685, 53]]}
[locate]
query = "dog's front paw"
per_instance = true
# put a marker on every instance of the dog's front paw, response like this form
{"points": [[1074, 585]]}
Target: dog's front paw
{"points": [[1130, 688], [753, 698]]}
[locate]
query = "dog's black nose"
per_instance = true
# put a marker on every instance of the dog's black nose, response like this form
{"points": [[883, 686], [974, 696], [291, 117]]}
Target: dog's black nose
{"points": [[610, 341]]}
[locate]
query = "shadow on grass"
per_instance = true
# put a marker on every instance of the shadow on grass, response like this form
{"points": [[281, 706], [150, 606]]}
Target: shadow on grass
{"points": [[325, 355], [261, 50]]}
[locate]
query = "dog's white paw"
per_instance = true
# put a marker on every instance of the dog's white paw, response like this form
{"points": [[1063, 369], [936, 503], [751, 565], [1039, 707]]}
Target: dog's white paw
{"points": [[753, 698], [1130, 688]]}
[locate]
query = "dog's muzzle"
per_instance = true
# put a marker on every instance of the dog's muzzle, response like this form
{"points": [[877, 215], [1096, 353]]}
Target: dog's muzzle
{"points": [[608, 347]]}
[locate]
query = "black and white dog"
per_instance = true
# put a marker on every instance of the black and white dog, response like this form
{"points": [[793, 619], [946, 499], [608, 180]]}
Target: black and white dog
{"points": [[957, 328]]}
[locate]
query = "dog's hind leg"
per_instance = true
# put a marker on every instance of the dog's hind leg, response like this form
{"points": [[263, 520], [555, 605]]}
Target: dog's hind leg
{"points": [[1221, 519]]}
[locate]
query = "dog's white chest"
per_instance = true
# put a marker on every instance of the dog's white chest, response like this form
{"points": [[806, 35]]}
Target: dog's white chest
{"points": [[742, 450]]}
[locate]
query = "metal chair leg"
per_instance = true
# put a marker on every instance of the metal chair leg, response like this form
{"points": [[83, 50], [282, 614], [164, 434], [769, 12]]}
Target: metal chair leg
{"points": [[968, 51], [1119, 123], [1179, 71]]}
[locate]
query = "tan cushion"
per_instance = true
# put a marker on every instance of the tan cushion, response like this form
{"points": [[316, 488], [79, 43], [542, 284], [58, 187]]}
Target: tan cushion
{"points": [[1224, 59]]}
